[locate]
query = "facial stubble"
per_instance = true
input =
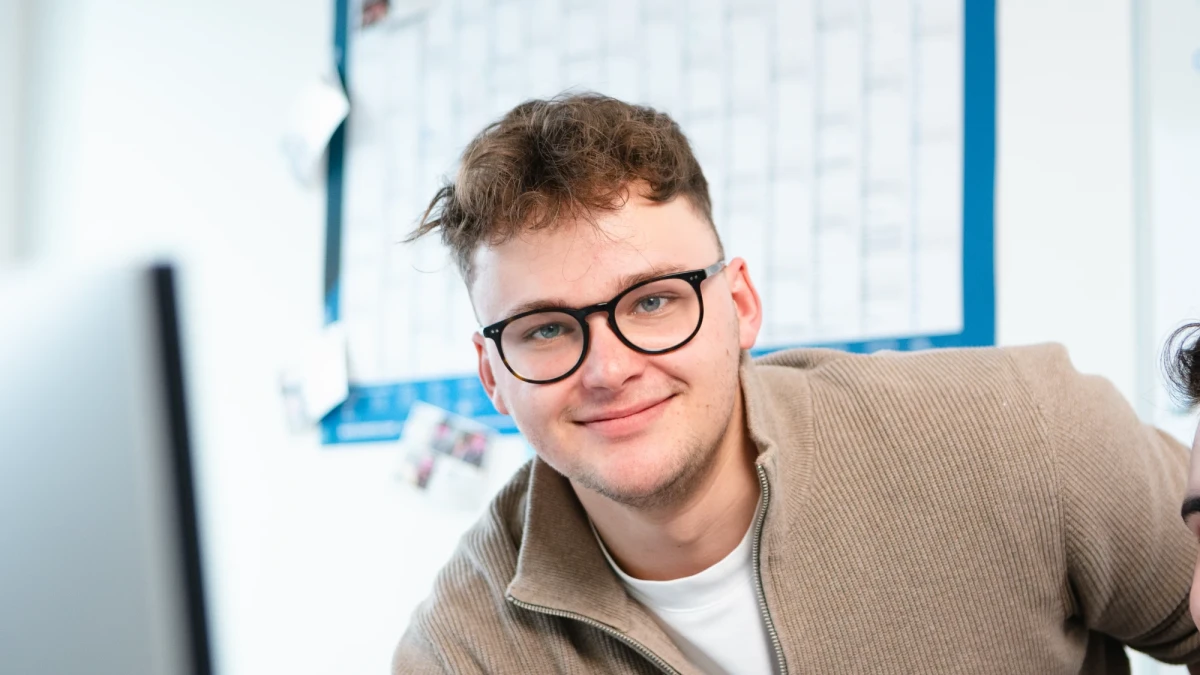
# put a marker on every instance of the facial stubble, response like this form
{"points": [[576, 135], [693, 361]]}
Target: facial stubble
{"points": [[689, 470]]}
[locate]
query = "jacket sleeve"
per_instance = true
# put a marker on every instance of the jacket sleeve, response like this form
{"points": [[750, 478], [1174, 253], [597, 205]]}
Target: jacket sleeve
{"points": [[417, 655], [1120, 484], [459, 629]]}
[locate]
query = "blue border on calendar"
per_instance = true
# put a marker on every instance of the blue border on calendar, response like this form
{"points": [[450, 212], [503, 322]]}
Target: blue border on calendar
{"points": [[376, 412]]}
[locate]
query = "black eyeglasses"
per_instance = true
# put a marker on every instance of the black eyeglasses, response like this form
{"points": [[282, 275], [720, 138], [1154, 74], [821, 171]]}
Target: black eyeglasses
{"points": [[655, 316]]}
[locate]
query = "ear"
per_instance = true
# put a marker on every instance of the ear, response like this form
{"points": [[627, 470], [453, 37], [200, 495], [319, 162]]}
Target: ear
{"points": [[486, 375], [746, 302]]}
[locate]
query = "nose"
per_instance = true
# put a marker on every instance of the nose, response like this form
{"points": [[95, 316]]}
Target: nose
{"points": [[609, 363]]}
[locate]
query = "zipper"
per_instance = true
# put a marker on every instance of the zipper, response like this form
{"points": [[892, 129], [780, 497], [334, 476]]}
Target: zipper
{"points": [[637, 646], [757, 562], [645, 651]]}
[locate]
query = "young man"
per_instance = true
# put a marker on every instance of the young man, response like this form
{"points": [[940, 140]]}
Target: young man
{"points": [[693, 511]]}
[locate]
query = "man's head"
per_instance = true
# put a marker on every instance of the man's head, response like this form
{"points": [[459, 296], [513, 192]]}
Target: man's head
{"points": [[565, 204], [1181, 361]]}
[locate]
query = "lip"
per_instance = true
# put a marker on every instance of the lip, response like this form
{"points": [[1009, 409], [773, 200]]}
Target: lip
{"points": [[625, 421]]}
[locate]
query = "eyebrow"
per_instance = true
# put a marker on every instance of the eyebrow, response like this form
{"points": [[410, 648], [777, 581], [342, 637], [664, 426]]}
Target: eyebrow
{"points": [[624, 282], [1191, 505]]}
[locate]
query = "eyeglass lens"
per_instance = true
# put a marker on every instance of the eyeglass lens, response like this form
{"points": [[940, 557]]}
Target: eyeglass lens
{"points": [[656, 317]]}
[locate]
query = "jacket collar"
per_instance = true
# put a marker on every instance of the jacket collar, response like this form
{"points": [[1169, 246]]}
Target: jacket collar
{"points": [[780, 421], [560, 565], [560, 568]]}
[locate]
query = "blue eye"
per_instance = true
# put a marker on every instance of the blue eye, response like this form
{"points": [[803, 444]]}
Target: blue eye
{"points": [[547, 331], [652, 303]]}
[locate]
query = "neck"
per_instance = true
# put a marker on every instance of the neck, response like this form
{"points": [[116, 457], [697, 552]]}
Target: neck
{"points": [[682, 539]]}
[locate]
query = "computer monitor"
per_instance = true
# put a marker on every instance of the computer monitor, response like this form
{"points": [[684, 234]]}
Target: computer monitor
{"points": [[99, 545]]}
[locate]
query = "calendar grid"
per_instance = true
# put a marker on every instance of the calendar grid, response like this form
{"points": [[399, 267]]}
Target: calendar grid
{"points": [[832, 133]]}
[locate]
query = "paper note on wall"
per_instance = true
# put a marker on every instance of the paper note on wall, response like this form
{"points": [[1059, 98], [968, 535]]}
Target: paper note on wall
{"points": [[318, 111]]}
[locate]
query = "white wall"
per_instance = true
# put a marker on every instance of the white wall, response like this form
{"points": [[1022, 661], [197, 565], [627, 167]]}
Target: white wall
{"points": [[155, 126], [11, 76], [1064, 235], [51, 116]]}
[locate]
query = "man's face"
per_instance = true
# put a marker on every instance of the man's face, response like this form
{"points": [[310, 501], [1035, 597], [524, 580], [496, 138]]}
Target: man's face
{"points": [[1193, 521], [634, 427]]}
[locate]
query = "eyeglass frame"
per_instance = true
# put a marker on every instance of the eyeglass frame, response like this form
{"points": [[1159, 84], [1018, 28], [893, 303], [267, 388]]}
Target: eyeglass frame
{"points": [[694, 277]]}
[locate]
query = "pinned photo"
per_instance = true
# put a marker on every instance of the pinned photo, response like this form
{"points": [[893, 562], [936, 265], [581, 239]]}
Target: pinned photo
{"points": [[374, 11], [442, 450]]}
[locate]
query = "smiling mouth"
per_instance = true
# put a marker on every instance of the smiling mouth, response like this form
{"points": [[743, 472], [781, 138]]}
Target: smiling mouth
{"points": [[622, 413], [626, 421]]}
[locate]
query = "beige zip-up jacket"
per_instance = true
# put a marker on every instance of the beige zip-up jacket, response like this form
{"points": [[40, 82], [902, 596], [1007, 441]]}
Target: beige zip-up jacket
{"points": [[959, 511]]}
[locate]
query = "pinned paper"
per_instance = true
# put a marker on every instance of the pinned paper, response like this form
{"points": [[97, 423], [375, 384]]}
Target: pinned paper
{"points": [[326, 380], [319, 382], [319, 109]]}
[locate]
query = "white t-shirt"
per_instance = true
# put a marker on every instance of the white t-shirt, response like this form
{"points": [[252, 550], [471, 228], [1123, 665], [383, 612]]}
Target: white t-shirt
{"points": [[712, 616]]}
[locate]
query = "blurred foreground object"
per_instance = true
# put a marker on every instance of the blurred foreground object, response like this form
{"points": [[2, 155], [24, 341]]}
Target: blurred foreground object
{"points": [[100, 570]]}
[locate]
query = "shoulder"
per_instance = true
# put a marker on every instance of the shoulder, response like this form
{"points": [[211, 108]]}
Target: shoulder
{"points": [[985, 395], [935, 373], [468, 596], [486, 557]]}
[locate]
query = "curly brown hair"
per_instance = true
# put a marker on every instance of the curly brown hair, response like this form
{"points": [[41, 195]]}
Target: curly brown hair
{"points": [[562, 158], [1181, 363]]}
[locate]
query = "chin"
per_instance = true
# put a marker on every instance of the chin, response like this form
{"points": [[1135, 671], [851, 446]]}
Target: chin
{"points": [[636, 475], [640, 482]]}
